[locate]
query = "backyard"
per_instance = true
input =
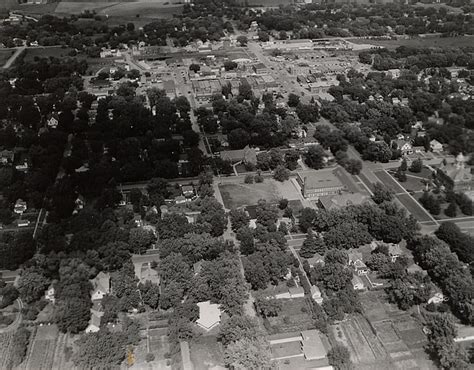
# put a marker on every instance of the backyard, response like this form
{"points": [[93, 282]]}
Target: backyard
{"points": [[206, 353], [295, 316]]}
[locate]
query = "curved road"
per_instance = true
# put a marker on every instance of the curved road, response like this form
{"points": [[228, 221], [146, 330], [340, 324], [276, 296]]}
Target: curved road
{"points": [[16, 323]]}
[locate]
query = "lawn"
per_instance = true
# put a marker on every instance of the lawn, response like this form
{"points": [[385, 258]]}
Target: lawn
{"points": [[206, 353], [414, 181], [294, 317], [237, 195]]}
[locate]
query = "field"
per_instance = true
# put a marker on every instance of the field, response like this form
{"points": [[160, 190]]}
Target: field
{"points": [[239, 194], [46, 52], [46, 350], [441, 42], [4, 55], [206, 353], [5, 343], [293, 317], [146, 9], [405, 199]]}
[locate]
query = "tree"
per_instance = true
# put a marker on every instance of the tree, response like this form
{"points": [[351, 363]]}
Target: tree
{"points": [[293, 100], [32, 285], [381, 193], [19, 347], [140, 239], [451, 210], [307, 112], [416, 166], [283, 203], [312, 245], [459, 242], [242, 40], [150, 294], [281, 173], [268, 307], [267, 214], [347, 235], [353, 166], [248, 354], [377, 151], [72, 315], [404, 165], [314, 157], [263, 36], [238, 327], [230, 65], [238, 219], [194, 67], [339, 357], [248, 179]]}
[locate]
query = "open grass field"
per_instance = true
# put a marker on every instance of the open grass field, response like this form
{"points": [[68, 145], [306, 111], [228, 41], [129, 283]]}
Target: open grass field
{"points": [[239, 194], [206, 353], [442, 42], [4, 55], [42, 348], [36, 9]]}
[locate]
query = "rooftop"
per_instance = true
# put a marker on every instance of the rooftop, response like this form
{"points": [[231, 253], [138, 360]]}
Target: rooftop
{"points": [[320, 179], [209, 315], [342, 200]]}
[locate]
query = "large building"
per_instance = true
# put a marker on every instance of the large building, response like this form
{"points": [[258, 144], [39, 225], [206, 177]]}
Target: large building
{"points": [[458, 174], [315, 184]]}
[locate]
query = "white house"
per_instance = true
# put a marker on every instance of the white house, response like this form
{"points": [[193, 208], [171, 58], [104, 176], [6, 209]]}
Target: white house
{"points": [[404, 146], [53, 120], [209, 315], [437, 298], [316, 294], [94, 321], [49, 294], [357, 283], [20, 206], [101, 286], [436, 146]]}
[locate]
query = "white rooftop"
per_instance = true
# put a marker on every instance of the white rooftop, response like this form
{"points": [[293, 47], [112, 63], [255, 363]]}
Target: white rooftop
{"points": [[209, 315]]}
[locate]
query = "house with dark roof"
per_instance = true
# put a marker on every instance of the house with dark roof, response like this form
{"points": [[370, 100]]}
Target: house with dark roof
{"points": [[100, 286], [246, 155]]}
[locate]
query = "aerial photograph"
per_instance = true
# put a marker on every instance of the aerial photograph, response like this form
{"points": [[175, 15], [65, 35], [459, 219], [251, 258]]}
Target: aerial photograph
{"points": [[236, 184]]}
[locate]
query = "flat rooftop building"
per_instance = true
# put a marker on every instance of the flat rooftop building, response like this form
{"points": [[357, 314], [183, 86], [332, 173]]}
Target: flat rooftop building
{"points": [[315, 184], [209, 315]]}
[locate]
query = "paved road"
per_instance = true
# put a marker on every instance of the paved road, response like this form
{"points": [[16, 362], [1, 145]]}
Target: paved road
{"points": [[15, 55]]}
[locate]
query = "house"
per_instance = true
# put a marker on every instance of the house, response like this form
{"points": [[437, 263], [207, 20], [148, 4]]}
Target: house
{"points": [[316, 294], [49, 294], [209, 315], [458, 175], [394, 251], [20, 207], [436, 146], [187, 191], [259, 68], [360, 267], [404, 146], [79, 204], [23, 223], [357, 283], [437, 298], [315, 184], [330, 202], [53, 120], [246, 155], [296, 292], [316, 260], [94, 321], [100, 286], [6, 156], [22, 166]]}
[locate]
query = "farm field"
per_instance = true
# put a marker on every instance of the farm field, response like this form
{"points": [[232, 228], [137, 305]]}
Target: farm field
{"points": [[441, 42], [147, 9], [5, 343], [46, 350]]}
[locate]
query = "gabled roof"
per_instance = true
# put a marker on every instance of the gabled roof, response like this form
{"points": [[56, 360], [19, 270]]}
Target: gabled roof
{"points": [[209, 315], [101, 282]]}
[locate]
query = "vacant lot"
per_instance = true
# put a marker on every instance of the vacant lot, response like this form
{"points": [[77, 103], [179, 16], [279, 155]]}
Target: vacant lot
{"points": [[5, 344], [42, 349], [237, 195], [441, 42]]}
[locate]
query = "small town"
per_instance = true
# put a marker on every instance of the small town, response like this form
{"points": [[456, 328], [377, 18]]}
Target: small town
{"points": [[218, 184]]}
